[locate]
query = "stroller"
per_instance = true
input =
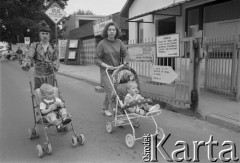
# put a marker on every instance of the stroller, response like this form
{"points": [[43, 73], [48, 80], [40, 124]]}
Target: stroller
{"points": [[120, 77], [41, 120]]}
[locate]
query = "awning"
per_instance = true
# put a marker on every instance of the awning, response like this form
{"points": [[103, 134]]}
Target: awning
{"points": [[174, 9]]}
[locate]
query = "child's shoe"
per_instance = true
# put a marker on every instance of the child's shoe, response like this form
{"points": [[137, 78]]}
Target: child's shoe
{"points": [[154, 108], [59, 127], [66, 120], [140, 111], [107, 113]]}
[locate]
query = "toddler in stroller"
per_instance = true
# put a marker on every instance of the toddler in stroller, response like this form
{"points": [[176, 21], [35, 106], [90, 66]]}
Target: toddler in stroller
{"points": [[130, 105], [53, 107], [133, 96], [49, 110]]}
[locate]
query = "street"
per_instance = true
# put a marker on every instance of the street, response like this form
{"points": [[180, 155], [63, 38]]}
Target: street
{"points": [[84, 104]]}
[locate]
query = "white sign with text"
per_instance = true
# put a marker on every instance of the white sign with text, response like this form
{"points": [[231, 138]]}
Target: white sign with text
{"points": [[163, 74], [168, 45]]}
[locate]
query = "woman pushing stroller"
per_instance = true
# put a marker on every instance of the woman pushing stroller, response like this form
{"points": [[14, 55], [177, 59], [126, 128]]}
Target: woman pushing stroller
{"points": [[108, 55], [44, 56]]}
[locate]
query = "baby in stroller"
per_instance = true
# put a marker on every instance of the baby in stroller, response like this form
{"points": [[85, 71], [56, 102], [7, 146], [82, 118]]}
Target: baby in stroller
{"points": [[52, 107], [132, 96]]}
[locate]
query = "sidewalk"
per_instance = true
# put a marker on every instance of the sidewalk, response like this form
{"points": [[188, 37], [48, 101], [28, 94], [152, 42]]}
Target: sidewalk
{"points": [[213, 108]]}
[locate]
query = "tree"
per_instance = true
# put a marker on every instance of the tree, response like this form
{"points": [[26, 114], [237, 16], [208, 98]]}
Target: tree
{"points": [[20, 18], [83, 12]]}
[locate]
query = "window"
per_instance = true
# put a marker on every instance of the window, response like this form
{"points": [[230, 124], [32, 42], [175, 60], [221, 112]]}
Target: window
{"points": [[164, 27]]}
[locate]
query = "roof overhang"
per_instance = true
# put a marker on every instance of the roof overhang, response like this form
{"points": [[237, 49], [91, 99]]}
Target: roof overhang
{"points": [[174, 9]]}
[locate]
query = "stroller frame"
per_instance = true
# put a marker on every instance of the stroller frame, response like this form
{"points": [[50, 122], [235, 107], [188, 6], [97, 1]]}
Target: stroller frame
{"points": [[130, 118], [40, 119]]}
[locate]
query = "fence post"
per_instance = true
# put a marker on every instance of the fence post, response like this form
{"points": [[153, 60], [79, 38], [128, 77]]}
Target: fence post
{"points": [[238, 71], [196, 71]]}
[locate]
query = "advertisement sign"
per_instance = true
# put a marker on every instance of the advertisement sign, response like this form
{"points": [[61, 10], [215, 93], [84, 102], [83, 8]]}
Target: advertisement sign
{"points": [[73, 44], [55, 13], [142, 53], [62, 44], [99, 25], [71, 54], [168, 45]]}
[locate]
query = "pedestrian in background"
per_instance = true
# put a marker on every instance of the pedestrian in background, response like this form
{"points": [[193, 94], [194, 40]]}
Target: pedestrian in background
{"points": [[19, 55], [44, 56], [109, 52]]}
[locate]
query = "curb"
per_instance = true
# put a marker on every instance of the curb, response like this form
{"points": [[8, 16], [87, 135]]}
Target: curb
{"points": [[224, 122], [216, 119]]}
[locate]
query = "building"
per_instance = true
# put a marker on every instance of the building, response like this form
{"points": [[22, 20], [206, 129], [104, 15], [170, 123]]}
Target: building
{"points": [[76, 21], [207, 32], [89, 34]]}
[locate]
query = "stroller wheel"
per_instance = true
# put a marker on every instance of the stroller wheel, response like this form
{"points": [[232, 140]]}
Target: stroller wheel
{"points": [[33, 133], [81, 139], [39, 151], [49, 148], [74, 141], [160, 133], [109, 127], [129, 140]]}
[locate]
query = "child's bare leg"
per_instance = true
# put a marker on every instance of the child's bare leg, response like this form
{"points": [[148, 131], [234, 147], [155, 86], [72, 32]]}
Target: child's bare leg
{"points": [[53, 118], [136, 110], [65, 118]]}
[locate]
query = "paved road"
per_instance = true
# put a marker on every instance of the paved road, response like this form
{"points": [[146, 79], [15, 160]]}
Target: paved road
{"points": [[84, 104]]}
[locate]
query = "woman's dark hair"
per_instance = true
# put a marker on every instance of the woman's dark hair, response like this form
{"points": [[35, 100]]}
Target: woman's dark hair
{"points": [[44, 27], [104, 33]]}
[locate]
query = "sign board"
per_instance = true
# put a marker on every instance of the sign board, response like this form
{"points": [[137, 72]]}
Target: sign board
{"points": [[168, 45], [72, 55], [99, 25], [163, 74], [73, 44], [62, 44], [142, 53], [27, 40], [55, 13]]}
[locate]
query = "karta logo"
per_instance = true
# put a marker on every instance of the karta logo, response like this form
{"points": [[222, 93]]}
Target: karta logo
{"points": [[152, 147]]}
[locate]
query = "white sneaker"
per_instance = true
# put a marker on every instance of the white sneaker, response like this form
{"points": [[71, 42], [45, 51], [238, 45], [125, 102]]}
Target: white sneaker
{"points": [[154, 108], [107, 113]]}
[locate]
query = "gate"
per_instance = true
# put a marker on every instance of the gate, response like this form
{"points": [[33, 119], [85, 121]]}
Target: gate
{"points": [[177, 93], [88, 50], [222, 67]]}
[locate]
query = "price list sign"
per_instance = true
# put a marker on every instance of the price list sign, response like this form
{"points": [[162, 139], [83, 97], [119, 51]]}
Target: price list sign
{"points": [[168, 45]]}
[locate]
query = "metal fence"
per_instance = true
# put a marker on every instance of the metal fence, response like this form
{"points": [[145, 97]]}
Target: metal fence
{"points": [[222, 67]]}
